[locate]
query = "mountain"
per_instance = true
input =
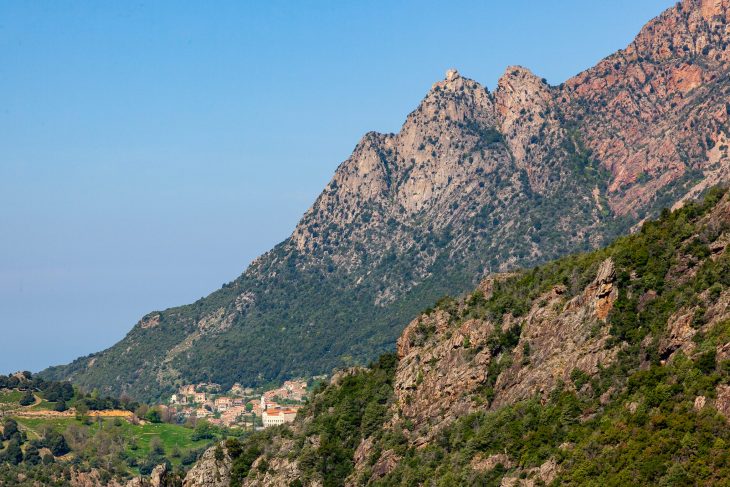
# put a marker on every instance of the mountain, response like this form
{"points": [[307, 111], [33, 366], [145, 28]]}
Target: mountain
{"points": [[604, 368], [475, 182]]}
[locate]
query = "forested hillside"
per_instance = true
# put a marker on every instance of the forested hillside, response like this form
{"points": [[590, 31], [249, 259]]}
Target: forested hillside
{"points": [[603, 368]]}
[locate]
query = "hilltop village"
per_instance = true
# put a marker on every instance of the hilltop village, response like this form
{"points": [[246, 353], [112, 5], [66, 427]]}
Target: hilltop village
{"points": [[239, 406]]}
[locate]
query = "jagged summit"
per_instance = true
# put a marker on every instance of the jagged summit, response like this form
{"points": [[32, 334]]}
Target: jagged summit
{"points": [[452, 74], [453, 81], [517, 73]]}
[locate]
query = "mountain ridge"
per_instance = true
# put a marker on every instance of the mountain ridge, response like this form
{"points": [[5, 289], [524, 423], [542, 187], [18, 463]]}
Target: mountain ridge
{"points": [[474, 182]]}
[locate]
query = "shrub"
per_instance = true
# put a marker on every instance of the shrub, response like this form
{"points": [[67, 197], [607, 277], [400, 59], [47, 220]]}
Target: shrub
{"points": [[27, 399]]}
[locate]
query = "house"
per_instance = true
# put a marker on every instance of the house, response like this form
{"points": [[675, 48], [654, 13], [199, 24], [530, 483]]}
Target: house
{"points": [[231, 415], [187, 390], [255, 406], [276, 416], [295, 389], [200, 397], [267, 403], [178, 399], [222, 403]]}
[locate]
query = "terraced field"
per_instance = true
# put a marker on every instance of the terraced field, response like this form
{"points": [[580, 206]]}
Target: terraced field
{"points": [[126, 439]]}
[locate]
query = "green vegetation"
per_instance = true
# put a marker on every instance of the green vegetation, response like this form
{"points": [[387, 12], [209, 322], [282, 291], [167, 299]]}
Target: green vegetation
{"points": [[342, 415], [113, 446], [10, 397], [635, 422], [32, 391], [665, 441]]}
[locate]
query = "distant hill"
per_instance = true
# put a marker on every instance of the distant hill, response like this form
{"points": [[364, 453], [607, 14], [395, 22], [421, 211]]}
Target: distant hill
{"points": [[53, 434], [476, 181]]}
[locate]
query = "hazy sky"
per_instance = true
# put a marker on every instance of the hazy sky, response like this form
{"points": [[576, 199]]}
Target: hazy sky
{"points": [[149, 151]]}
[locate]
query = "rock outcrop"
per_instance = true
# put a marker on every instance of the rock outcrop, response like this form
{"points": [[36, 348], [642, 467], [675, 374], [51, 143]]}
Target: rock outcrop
{"points": [[444, 365], [160, 477], [210, 471]]}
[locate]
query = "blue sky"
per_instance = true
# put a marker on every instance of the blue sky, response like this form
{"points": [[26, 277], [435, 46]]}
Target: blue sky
{"points": [[150, 150]]}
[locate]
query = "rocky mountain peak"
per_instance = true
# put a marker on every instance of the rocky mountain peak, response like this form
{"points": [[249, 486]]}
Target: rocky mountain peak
{"points": [[519, 91], [517, 74], [452, 74], [453, 81], [649, 103], [521, 102], [408, 172]]}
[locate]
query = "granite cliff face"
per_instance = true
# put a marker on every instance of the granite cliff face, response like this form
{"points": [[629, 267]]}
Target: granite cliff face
{"points": [[210, 471], [436, 379], [658, 107], [475, 182]]}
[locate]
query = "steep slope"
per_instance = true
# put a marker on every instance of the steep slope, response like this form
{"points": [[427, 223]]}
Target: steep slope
{"points": [[475, 181], [605, 368]]}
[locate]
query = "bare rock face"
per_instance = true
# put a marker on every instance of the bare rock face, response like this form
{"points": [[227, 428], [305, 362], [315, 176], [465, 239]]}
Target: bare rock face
{"points": [[722, 403], [485, 464], [209, 471], [603, 289], [648, 104], [433, 379], [542, 475], [442, 365], [86, 479], [700, 402], [159, 477], [280, 472], [561, 336], [379, 162], [523, 103], [679, 336], [385, 464]]}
